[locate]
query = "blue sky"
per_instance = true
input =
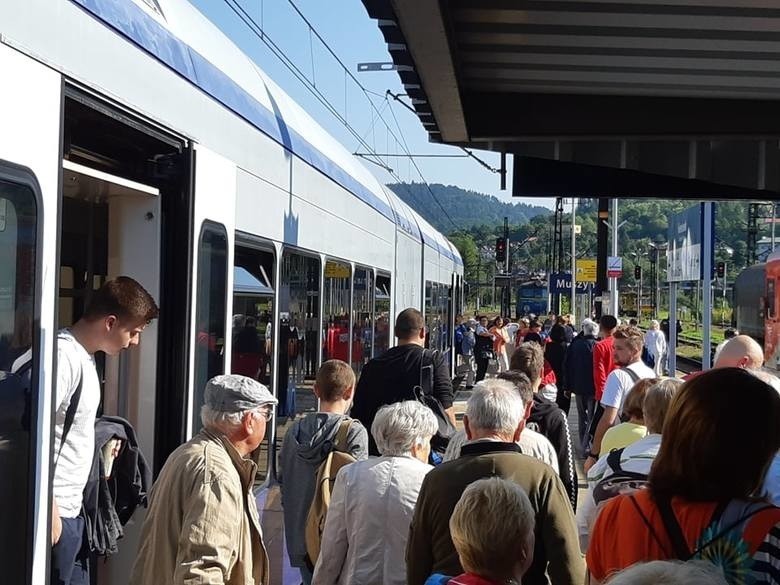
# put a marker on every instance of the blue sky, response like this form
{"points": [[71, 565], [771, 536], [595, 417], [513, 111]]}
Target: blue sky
{"points": [[354, 37]]}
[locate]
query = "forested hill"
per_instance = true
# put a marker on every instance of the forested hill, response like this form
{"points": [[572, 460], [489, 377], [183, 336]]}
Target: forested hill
{"points": [[466, 208]]}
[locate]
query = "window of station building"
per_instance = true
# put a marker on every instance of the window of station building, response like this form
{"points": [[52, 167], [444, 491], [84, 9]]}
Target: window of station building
{"points": [[382, 325], [336, 311], [210, 312], [18, 232], [362, 318], [252, 321], [299, 327]]}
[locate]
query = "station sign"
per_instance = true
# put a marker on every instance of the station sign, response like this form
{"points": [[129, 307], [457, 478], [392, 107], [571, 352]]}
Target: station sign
{"points": [[336, 270], [614, 266], [586, 270], [560, 283]]}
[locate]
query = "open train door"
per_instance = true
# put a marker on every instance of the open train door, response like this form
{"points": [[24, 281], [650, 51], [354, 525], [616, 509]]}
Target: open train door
{"points": [[30, 127], [214, 231]]}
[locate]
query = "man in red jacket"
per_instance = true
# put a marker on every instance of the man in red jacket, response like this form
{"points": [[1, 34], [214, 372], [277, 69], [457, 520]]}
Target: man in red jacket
{"points": [[603, 359]]}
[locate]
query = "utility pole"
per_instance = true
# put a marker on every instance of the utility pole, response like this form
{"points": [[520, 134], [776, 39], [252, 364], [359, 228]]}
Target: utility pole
{"points": [[613, 288], [573, 262], [602, 233], [479, 292], [507, 290], [639, 314], [707, 212]]}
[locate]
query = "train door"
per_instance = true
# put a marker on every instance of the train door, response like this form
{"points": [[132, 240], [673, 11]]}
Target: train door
{"points": [[210, 330], [30, 119], [383, 314], [122, 179]]}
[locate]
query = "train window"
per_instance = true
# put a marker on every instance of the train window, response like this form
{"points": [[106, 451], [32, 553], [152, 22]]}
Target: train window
{"points": [[382, 314], [433, 320], [253, 305], [770, 298], [299, 326], [336, 310], [362, 325], [428, 313], [18, 231], [210, 311], [445, 298]]}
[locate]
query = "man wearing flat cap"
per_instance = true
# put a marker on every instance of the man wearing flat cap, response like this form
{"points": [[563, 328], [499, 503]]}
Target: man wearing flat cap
{"points": [[202, 525]]}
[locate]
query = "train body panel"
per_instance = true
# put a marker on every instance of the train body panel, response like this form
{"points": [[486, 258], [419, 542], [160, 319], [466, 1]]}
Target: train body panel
{"points": [[749, 288]]}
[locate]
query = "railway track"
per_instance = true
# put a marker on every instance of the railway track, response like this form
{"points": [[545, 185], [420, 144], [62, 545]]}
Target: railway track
{"points": [[688, 365]]}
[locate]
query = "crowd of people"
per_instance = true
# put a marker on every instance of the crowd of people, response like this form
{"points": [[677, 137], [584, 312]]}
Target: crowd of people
{"points": [[380, 486]]}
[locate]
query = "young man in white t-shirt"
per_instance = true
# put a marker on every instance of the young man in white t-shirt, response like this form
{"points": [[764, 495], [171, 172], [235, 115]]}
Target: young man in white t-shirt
{"points": [[116, 315], [627, 351]]}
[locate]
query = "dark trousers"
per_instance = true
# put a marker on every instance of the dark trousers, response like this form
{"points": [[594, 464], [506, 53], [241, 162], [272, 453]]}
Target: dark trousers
{"points": [[482, 366], [69, 557], [563, 399], [586, 406]]}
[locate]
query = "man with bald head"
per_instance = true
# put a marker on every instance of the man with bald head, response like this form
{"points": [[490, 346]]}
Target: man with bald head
{"points": [[741, 351]]}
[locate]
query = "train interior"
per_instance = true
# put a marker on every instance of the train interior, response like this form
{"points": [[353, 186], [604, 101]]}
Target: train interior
{"points": [[111, 225]]}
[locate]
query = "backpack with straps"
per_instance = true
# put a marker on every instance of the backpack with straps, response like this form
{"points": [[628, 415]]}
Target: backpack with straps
{"points": [[599, 410], [337, 458], [727, 518], [423, 393], [619, 482]]}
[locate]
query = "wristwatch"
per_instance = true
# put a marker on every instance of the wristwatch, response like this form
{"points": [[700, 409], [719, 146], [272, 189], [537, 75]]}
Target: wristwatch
{"points": [[592, 456]]}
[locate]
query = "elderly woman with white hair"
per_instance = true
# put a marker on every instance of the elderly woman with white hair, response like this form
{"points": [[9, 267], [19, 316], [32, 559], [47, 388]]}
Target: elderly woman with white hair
{"points": [[655, 342], [373, 501]]}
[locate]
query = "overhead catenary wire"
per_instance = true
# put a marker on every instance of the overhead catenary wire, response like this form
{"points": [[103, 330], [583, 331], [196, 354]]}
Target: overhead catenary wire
{"points": [[371, 155], [397, 97], [274, 48], [379, 115]]}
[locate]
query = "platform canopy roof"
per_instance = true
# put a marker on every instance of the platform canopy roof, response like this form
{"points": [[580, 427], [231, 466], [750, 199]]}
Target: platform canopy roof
{"points": [[687, 88]]}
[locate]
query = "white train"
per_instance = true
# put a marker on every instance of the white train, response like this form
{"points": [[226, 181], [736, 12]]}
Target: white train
{"points": [[135, 138]]}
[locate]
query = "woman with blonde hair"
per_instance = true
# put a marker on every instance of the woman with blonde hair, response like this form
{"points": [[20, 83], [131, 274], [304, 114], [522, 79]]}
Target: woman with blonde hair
{"points": [[655, 343], [492, 528]]}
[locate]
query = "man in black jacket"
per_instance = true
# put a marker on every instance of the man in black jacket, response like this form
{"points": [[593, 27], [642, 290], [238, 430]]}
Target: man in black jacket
{"points": [[392, 376], [578, 368], [546, 418]]}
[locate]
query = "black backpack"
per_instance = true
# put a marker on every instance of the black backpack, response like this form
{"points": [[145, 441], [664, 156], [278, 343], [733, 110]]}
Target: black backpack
{"points": [[620, 482], [599, 410], [423, 393]]}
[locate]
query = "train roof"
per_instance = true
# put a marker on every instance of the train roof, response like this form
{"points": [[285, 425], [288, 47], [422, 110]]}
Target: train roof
{"points": [[435, 239], [178, 35], [404, 215]]}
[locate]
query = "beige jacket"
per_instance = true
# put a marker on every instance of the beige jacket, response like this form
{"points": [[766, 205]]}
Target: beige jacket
{"points": [[202, 525]]}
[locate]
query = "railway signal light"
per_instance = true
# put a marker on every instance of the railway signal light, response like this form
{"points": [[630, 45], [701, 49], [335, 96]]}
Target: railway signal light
{"points": [[500, 249], [721, 270], [637, 272]]}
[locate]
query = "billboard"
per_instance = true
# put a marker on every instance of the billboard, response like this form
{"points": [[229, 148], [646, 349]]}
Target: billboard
{"points": [[684, 257]]}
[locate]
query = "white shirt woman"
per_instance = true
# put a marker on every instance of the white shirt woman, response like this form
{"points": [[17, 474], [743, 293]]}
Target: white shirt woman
{"points": [[655, 342], [373, 501]]}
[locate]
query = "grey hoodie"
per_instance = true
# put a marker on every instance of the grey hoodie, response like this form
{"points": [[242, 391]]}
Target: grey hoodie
{"points": [[306, 445]]}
